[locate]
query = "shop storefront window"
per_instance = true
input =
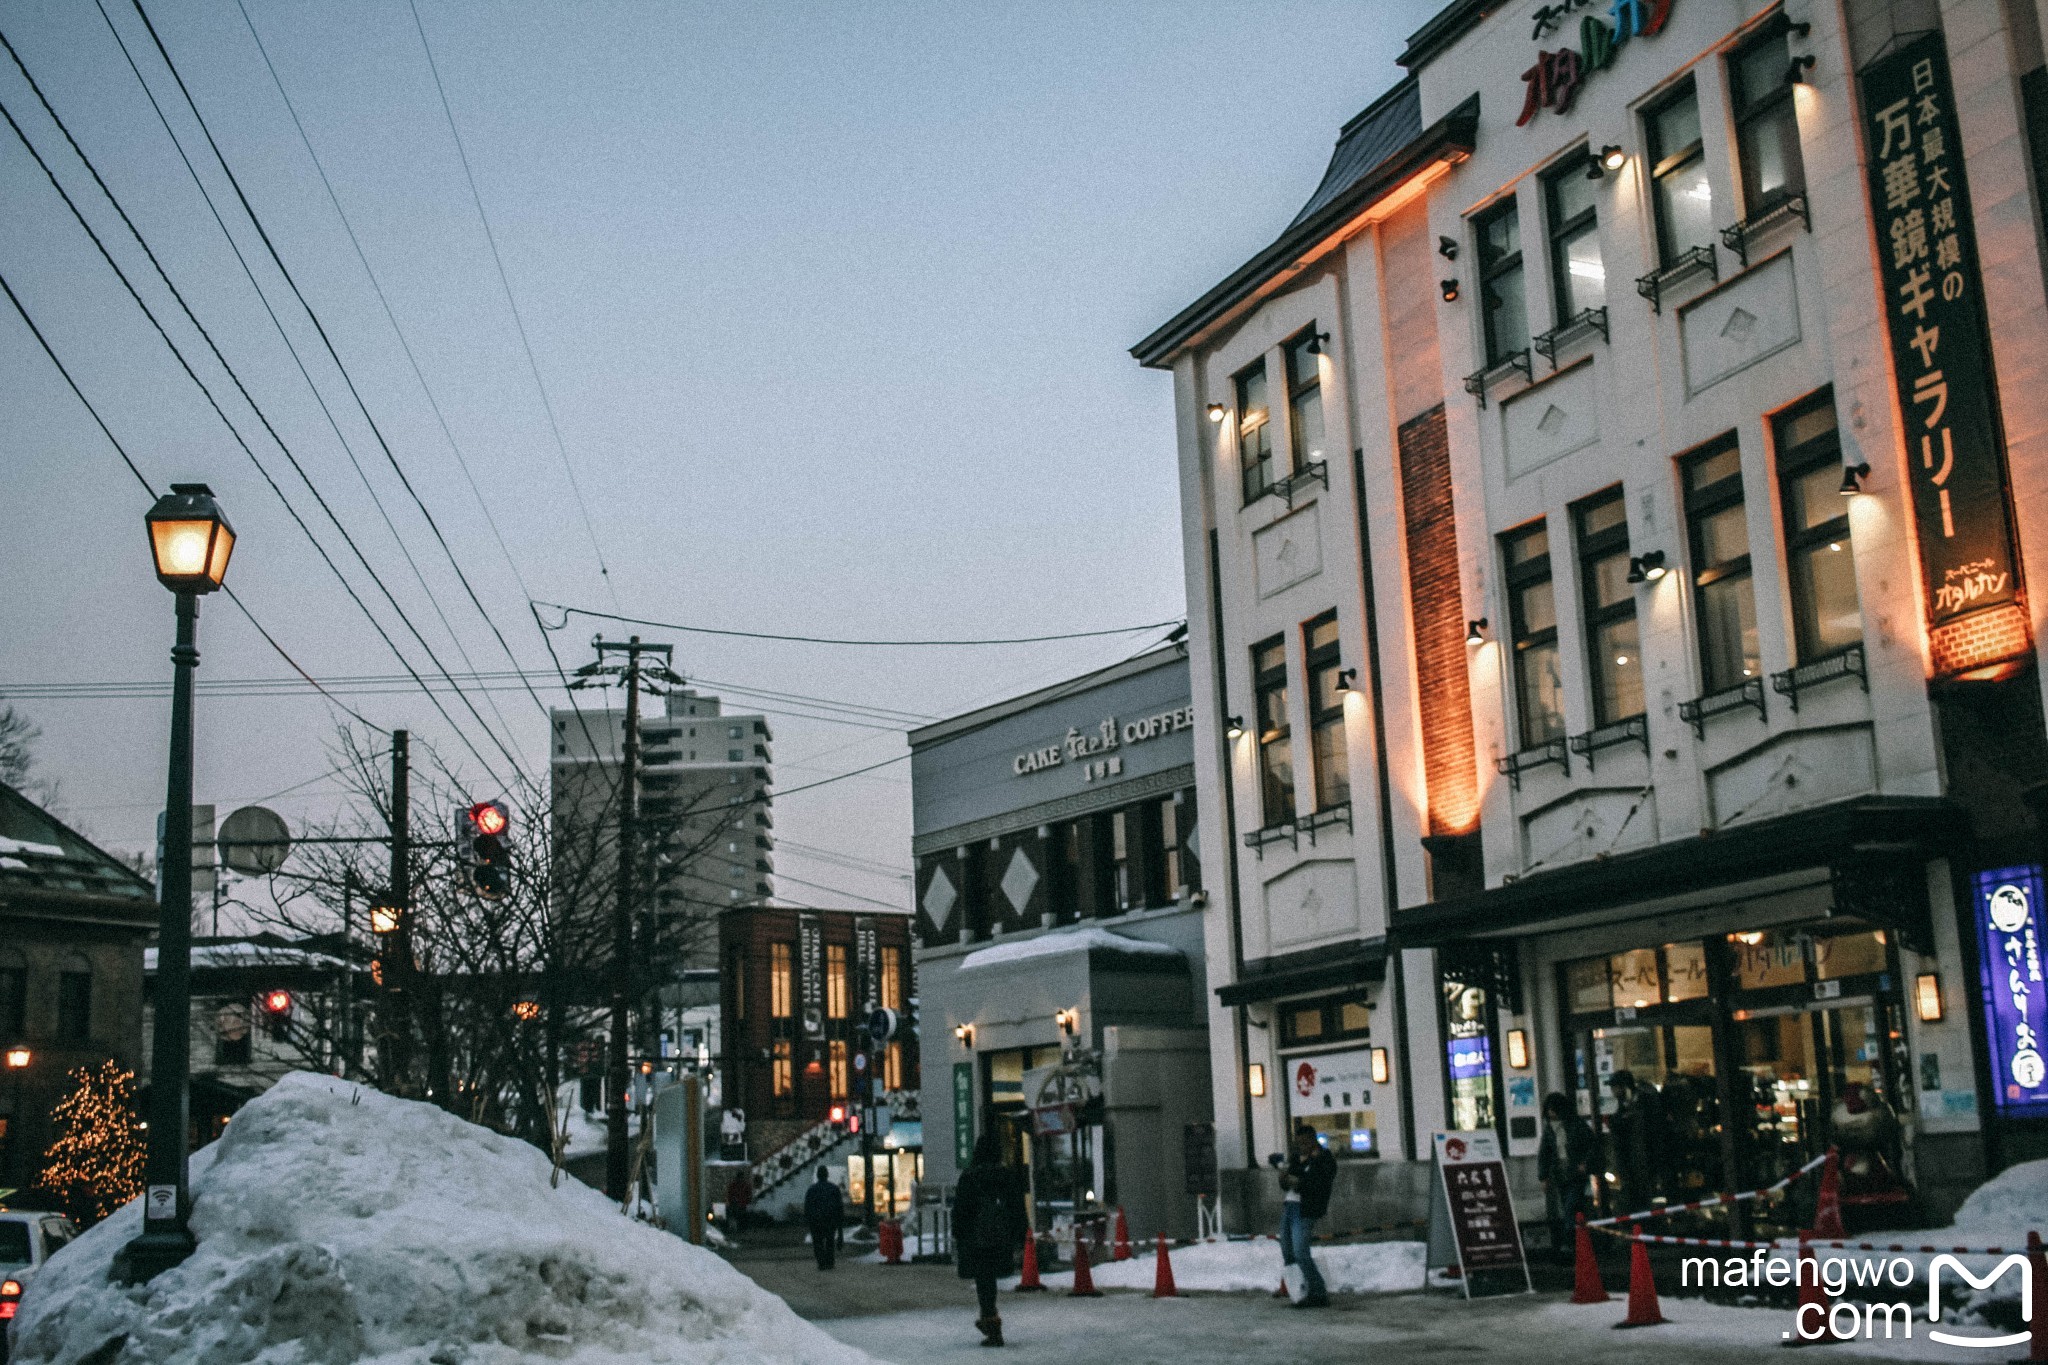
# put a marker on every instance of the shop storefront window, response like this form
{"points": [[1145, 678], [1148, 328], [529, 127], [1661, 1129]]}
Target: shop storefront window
{"points": [[1767, 958], [1850, 955], [1332, 1093], [1685, 971], [1637, 979]]}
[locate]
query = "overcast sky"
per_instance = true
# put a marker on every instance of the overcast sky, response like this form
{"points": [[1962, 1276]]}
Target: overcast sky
{"points": [[832, 304]]}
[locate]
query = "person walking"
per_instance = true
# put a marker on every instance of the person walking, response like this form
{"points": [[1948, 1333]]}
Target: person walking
{"points": [[988, 1226], [1564, 1163], [825, 1215], [1307, 1179]]}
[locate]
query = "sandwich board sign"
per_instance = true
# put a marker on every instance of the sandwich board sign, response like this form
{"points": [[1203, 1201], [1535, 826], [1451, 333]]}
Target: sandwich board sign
{"points": [[1472, 1213]]}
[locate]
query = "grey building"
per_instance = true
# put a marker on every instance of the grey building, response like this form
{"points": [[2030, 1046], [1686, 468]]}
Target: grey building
{"points": [[1060, 954]]}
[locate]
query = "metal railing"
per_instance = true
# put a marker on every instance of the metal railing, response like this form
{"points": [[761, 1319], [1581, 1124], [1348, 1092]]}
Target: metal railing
{"points": [[1703, 708]]}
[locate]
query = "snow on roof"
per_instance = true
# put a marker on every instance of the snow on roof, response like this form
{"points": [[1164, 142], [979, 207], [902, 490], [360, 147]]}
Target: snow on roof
{"points": [[1089, 939], [248, 955], [338, 1223]]}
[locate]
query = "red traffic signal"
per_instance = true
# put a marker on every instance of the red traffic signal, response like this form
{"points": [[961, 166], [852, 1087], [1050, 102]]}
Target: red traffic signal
{"points": [[487, 859], [277, 1002], [839, 1116], [489, 817]]}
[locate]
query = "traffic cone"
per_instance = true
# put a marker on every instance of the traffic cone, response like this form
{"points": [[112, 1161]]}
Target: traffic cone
{"points": [[2037, 1267], [1162, 1280], [1827, 1204], [1642, 1288], [1810, 1292], [1281, 1292], [1586, 1286], [1084, 1279], [1121, 1250], [1029, 1283]]}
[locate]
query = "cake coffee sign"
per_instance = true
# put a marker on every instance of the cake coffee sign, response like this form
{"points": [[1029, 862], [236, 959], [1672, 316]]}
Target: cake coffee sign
{"points": [[1553, 83]]}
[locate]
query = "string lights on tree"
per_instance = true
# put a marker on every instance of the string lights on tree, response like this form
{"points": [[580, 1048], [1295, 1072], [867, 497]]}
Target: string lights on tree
{"points": [[95, 1165]]}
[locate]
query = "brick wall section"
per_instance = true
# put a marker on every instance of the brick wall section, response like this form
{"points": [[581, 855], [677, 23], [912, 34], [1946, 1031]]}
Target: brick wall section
{"points": [[1449, 761], [1980, 640]]}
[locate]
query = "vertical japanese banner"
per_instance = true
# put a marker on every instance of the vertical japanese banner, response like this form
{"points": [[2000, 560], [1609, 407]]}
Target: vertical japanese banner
{"points": [[2009, 929], [1941, 358], [811, 973], [867, 966]]}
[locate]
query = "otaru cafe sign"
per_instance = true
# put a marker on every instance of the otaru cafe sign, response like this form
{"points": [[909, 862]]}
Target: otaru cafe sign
{"points": [[1927, 253], [1553, 83], [1097, 749]]}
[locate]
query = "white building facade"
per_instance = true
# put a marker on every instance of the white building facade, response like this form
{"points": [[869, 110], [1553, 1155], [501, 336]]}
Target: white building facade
{"points": [[1608, 509]]}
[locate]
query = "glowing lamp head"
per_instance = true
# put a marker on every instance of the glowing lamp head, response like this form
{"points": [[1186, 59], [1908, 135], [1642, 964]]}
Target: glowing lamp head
{"points": [[18, 1058], [190, 539], [1216, 411], [383, 919], [1612, 158]]}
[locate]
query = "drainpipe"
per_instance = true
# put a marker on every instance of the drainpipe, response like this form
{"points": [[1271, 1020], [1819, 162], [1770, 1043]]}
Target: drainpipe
{"points": [[1229, 814]]}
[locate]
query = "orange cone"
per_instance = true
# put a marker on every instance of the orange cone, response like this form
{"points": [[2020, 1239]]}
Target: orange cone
{"points": [[1827, 1204], [1811, 1294], [1642, 1288], [2037, 1267], [1162, 1280], [1586, 1286], [1121, 1250], [1028, 1282], [1084, 1278]]}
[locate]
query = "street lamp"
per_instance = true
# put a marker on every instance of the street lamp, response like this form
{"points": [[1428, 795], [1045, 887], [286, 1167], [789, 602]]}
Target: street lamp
{"points": [[190, 540]]}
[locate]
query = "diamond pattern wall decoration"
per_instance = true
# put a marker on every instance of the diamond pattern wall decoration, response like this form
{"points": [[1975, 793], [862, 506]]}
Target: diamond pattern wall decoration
{"points": [[939, 897], [1019, 881]]}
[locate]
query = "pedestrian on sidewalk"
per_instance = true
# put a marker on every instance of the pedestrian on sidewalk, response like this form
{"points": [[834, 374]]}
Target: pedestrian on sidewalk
{"points": [[1307, 1179], [1564, 1163], [988, 1227], [825, 1215]]}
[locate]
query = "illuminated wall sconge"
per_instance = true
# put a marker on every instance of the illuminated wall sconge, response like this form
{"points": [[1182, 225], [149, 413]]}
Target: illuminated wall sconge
{"points": [[1380, 1069], [18, 1058], [1234, 727], [1475, 632], [1647, 567], [1450, 288], [1069, 1020], [1927, 997], [1346, 677], [1216, 411], [1800, 65], [1612, 158], [1316, 342], [1255, 1080], [1447, 247], [1518, 1049], [965, 1033], [1852, 478]]}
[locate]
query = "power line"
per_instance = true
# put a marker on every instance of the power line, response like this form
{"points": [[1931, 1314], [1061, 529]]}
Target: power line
{"points": [[568, 611], [837, 891], [235, 378], [838, 777], [518, 322]]}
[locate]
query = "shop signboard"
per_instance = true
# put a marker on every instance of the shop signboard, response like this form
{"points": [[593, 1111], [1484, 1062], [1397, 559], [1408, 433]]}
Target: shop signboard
{"points": [[1332, 1081], [1941, 363], [2010, 926], [1473, 1180], [811, 973], [963, 1114]]}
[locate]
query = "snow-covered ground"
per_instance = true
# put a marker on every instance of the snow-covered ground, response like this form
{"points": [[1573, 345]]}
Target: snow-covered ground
{"points": [[338, 1224], [1250, 1267], [1998, 1213]]}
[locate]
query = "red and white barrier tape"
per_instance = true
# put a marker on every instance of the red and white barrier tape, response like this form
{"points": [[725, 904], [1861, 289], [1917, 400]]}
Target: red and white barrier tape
{"points": [[1715, 1202], [1793, 1246]]}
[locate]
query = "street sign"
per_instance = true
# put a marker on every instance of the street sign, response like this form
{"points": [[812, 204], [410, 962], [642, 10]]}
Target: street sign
{"points": [[254, 841], [882, 1025], [1474, 1182]]}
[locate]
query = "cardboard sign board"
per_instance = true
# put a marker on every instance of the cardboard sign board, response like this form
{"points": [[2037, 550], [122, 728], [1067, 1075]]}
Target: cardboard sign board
{"points": [[1473, 1179]]}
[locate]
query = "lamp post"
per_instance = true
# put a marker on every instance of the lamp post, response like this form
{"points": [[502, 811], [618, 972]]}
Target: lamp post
{"points": [[18, 1059], [191, 540]]}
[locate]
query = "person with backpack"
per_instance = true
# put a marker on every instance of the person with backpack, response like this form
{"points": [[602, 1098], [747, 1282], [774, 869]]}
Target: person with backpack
{"points": [[825, 1215], [988, 1227]]}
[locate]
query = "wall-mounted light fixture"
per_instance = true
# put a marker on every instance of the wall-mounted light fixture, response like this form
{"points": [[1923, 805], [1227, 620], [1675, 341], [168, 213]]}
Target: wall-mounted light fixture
{"points": [[1450, 288], [1447, 247], [1255, 1080], [1234, 727], [1612, 157], [1852, 478], [1380, 1069], [18, 1058], [1647, 567], [1475, 632], [1316, 342], [1345, 678], [1069, 1020], [1518, 1049], [1801, 30], [1927, 997], [965, 1033], [1216, 411], [1800, 64]]}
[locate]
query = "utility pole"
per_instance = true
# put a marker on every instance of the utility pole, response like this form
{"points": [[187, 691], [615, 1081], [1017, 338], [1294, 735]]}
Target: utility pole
{"points": [[398, 975]]}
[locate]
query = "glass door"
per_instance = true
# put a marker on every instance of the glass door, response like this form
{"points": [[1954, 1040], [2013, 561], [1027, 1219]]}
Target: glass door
{"points": [[1863, 1073]]}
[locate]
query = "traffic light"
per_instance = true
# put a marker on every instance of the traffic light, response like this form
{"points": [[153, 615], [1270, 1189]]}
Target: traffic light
{"points": [[277, 1002], [482, 845], [839, 1117]]}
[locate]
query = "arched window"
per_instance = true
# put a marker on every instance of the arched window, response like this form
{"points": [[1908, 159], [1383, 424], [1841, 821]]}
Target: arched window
{"points": [[74, 1001]]}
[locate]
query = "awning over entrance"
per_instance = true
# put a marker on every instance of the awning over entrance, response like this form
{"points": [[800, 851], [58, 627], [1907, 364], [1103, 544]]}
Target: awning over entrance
{"points": [[1872, 848], [1331, 967]]}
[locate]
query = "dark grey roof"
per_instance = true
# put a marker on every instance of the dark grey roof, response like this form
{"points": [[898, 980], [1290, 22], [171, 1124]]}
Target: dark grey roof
{"points": [[1445, 27], [41, 854], [1384, 127]]}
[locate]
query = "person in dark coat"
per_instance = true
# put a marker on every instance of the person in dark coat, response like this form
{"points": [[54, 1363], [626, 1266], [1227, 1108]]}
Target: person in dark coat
{"points": [[825, 1215], [1564, 1162], [1307, 1179], [1633, 1131], [988, 1227]]}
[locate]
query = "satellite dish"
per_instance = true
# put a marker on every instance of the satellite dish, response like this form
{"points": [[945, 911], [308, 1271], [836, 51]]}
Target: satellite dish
{"points": [[254, 841]]}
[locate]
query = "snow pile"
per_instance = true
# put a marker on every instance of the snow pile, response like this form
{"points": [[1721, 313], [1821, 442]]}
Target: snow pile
{"points": [[338, 1224], [1089, 939], [1998, 1213], [1242, 1267]]}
